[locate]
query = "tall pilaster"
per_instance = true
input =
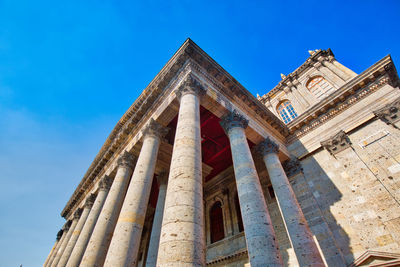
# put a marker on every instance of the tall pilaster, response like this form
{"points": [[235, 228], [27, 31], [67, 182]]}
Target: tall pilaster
{"points": [[299, 233], [81, 243], [96, 250], [182, 241], [65, 229], [54, 249], [77, 215], [74, 237], [125, 242], [152, 253], [260, 237]]}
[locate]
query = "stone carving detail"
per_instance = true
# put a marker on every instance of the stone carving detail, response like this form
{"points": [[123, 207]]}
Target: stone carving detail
{"points": [[90, 200], [67, 225], [267, 146], [292, 166], [233, 119], [155, 129], [337, 143], [59, 234], [77, 213], [105, 183], [190, 86], [162, 178], [390, 114], [126, 160]]}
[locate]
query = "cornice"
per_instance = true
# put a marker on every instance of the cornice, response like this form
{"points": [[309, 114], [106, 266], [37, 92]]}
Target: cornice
{"points": [[290, 79], [381, 73], [123, 131]]}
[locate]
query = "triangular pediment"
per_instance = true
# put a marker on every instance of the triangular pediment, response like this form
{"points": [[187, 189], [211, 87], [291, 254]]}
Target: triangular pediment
{"points": [[377, 258]]}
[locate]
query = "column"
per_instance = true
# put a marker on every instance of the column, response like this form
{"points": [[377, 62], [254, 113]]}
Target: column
{"points": [[54, 249], [91, 220], [157, 221], [125, 242], [259, 232], [74, 237], [65, 229], [182, 241], [77, 215], [299, 233], [96, 250]]}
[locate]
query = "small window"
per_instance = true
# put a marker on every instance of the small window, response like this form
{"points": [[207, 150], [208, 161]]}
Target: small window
{"points": [[286, 111], [216, 222], [320, 87]]}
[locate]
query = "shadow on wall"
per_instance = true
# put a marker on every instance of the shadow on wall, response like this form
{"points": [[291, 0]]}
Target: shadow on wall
{"points": [[315, 187]]}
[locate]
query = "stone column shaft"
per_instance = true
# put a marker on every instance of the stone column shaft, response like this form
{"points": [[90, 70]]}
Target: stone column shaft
{"points": [[81, 218], [182, 241], [152, 252], [125, 243], [65, 243], [299, 233], [53, 256], [54, 248], [81, 243], [102, 233], [260, 237]]}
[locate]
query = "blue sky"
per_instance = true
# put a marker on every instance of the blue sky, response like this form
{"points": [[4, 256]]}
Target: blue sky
{"points": [[69, 70]]}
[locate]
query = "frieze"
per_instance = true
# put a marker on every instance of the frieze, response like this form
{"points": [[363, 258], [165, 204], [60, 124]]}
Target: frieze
{"points": [[390, 114], [337, 143]]}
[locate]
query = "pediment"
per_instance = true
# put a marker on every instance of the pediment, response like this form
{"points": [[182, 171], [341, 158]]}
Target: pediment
{"points": [[377, 258]]}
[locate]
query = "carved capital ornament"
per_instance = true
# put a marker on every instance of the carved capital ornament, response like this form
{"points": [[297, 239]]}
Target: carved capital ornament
{"points": [[337, 143], [77, 214], [59, 234], [90, 201], [155, 129], [267, 146], [126, 160], [233, 119], [190, 86], [390, 114], [105, 183]]}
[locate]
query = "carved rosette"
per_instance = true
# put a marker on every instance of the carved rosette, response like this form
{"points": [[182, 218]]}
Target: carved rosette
{"points": [[190, 86], [105, 183], [162, 178], [292, 166], [390, 114], [90, 201], [155, 129], [233, 119], [337, 143], [267, 146], [59, 234], [126, 160]]}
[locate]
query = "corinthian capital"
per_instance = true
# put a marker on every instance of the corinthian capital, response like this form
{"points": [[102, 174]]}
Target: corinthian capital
{"points": [[67, 225], [267, 146], [126, 160], [105, 183], [59, 234], [155, 129], [233, 119], [77, 213], [390, 114], [90, 201], [337, 143], [190, 86]]}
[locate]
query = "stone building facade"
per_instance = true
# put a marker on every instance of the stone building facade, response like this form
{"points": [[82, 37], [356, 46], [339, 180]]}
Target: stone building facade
{"points": [[200, 172]]}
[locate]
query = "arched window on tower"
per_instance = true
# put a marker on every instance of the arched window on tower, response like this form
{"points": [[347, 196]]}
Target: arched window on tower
{"points": [[216, 222], [320, 87], [286, 111]]}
